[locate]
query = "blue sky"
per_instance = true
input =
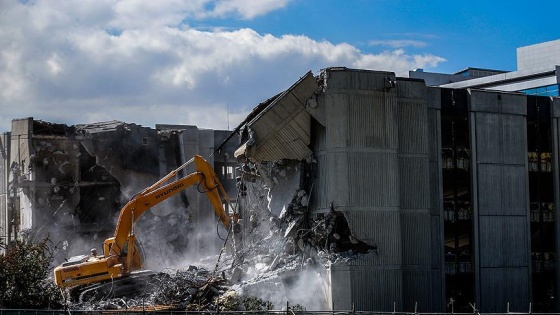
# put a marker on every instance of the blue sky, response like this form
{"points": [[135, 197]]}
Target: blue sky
{"points": [[186, 61], [465, 33]]}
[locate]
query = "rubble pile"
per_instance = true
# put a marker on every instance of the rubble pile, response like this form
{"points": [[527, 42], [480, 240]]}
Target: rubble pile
{"points": [[287, 186], [193, 288]]}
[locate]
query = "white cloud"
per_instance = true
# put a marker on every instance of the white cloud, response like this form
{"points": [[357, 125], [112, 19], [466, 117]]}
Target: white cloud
{"points": [[397, 61], [87, 61], [247, 9], [139, 13], [398, 43]]}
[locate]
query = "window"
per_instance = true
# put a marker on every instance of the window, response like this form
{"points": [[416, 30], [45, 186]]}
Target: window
{"points": [[228, 172], [548, 90]]}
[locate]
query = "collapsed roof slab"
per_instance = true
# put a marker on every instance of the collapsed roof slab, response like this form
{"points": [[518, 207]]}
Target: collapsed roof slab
{"points": [[282, 129]]}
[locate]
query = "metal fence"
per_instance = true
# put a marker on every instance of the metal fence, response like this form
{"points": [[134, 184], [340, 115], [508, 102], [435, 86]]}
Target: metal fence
{"points": [[271, 312]]}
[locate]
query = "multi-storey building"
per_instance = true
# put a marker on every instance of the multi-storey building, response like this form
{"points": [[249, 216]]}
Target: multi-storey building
{"points": [[537, 73], [456, 189], [69, 182]]}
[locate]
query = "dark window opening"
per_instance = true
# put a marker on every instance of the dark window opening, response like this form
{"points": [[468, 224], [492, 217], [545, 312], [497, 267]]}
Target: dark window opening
{"points": [[541, 198], [457, 208]]}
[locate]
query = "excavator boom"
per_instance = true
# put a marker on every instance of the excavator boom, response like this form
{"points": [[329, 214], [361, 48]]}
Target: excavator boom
{"points": [[120, 255]]}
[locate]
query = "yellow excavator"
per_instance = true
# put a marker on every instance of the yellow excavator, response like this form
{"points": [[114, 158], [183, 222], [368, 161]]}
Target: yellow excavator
{"points": [[121, 254]]}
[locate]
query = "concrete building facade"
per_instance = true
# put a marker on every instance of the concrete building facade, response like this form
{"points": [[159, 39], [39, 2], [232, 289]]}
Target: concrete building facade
{"points": [[453, 190], [70, 182], [537, 73], [538, 56]]}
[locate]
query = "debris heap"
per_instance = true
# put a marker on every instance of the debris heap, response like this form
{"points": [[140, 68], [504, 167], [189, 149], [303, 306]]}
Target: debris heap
{"points": [[190, 289]]}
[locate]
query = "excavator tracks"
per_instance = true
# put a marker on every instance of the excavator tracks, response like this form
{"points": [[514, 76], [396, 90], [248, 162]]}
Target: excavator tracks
{"points": [[133, 285]]}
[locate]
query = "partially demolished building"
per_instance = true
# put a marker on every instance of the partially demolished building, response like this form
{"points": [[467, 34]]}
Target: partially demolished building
{"points": [[69, 182], [413, 197], [436, 199]]}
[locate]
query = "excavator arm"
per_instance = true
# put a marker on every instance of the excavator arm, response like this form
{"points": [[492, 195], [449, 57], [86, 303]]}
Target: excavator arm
{"points": [[119, 252], [207, 181]]}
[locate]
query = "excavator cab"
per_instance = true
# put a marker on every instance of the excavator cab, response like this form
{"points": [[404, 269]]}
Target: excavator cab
{"points": [[122, 254]]}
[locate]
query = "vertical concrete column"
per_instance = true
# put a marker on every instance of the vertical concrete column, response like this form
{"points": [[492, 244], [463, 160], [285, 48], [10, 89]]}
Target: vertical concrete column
{"points": [[500, 201], [414, 195], [22, 132], [436, 199], [360, 152], [190, 140], [205, 149], [4, 193], [337, 183]]}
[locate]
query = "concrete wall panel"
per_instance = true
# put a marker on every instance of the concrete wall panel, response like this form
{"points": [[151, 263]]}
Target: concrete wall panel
{"points": [[437, 251], [488, 131], [337, 120], [514, 145], [374, 178], [416, 240], [377, 289], [514, 190], [371, 123], [414, 183], [411, 89], [21, 149], [501, 138], [418, 290], [514, 104], [340, 79], [501, 229], [502, 189], [497, 102], [433, 95], [436, 207], [338, 182], [502, 286], [434, 134], [434, 151], [340, 293], [22, 126], [503, 241], [413, 127], [438, 291]]}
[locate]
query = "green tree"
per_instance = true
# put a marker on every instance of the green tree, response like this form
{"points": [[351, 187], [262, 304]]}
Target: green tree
{"points": [[24, 282]]}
